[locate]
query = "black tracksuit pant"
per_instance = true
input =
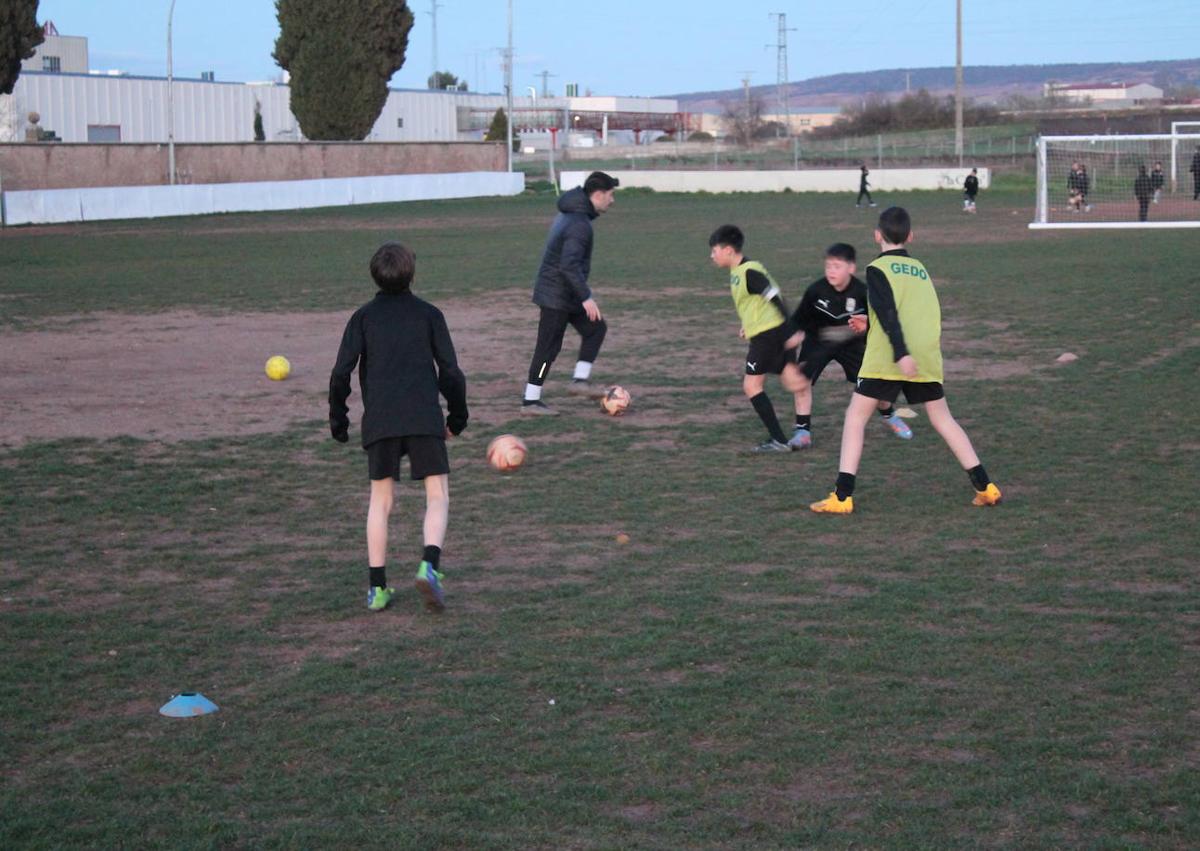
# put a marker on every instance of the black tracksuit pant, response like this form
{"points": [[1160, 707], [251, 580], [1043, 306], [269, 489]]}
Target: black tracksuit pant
{"points": [[551, 326]]}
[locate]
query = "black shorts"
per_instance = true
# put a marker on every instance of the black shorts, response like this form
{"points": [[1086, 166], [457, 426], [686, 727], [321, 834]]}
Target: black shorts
{"points": [[887, 390], [815, 356], [426, 456], [766, 355]]}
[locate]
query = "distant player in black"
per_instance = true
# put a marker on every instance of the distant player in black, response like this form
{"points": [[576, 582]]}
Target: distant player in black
{"points": [[1142, 190], [970, 190], [405, 359], [862, 187], [1157, 181], [826, 315], [1084, 184], [1195, 170], [1074, 193]]}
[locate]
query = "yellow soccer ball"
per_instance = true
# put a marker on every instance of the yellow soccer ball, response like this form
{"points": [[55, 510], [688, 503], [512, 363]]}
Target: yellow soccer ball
{"points": [[278, 368]]}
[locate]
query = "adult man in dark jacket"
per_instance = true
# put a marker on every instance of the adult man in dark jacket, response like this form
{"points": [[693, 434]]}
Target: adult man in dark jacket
{"points": [[562, 292]]}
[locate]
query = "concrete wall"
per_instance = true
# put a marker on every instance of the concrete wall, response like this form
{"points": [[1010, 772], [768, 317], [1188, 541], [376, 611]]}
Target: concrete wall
{"points": [[65, 166], [814, 180], [135, 202]]}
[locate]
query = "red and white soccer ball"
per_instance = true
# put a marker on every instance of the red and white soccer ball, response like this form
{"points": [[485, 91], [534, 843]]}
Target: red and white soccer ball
{"points": [[616, 400], [506, 452]]}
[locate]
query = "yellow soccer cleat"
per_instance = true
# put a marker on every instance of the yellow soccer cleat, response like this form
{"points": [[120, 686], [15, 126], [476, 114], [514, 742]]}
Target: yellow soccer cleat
{"points": [[833, 505], [989, 496]]}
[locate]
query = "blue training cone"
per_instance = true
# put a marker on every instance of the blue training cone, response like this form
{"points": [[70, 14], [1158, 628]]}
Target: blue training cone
{"points": [[188, 705]]}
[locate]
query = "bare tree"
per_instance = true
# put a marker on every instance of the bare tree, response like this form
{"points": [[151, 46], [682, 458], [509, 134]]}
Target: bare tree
{"points": [[743, 119]]}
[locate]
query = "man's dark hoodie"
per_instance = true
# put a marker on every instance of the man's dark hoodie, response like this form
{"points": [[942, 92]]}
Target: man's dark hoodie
{"points": [[562, 278]]}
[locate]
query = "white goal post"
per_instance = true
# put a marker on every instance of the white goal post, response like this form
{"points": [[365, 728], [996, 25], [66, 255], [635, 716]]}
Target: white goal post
{"points": [[1134, 181]]}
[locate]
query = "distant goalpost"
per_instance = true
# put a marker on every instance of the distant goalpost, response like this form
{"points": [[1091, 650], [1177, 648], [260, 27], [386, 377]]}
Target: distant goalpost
{"points": [[1096, 181]]}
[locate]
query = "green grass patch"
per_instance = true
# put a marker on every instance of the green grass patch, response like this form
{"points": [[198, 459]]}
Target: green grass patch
{"points": [[743, 674]]}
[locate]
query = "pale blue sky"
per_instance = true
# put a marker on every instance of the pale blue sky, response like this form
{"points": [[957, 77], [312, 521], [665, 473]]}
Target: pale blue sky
{"points": [[642, 47]]}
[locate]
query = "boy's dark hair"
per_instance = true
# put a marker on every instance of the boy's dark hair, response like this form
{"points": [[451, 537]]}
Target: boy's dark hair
{"points": [[393, 267], [598, 181], [842, 251], [730, 235], [894, 225]]}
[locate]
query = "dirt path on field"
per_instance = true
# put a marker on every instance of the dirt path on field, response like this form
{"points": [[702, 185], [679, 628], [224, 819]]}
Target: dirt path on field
{"points": [[183, 375]]}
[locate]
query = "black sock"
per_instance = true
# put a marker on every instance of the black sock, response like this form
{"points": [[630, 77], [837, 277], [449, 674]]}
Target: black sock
{"points": [[804, 421], [378, 577], [888, 411], [845, 485], [766, 413], [979, 477], [431, 555]]}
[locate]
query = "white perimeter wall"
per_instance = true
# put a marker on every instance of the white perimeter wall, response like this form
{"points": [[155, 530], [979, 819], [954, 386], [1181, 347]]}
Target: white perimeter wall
{"points": [[137, 202], [816, 180]]}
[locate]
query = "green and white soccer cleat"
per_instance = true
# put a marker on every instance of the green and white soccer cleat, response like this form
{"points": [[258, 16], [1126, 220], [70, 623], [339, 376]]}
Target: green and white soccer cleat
{"points": [[429, 584], [379, 598]]}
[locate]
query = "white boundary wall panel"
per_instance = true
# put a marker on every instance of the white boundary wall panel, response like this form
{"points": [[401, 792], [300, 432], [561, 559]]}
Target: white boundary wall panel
{"points": [[815, 180], [137, 202]]}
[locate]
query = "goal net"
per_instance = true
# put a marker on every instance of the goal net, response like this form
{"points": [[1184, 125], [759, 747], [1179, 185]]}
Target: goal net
{"points": [[1142, 181]]}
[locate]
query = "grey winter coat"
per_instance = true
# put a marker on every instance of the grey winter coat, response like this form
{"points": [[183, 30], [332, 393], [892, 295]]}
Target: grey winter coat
{"points": [[562, 278]]}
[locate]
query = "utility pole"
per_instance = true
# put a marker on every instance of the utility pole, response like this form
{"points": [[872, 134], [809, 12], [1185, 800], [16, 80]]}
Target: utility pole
{"points": [[958, 83], [545, 75], [170, 99], [746, 88], [781, 70], [433, 13], [508, 92]]}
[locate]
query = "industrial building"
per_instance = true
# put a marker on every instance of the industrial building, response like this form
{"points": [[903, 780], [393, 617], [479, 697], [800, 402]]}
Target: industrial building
{"points": [[75, 104], [103, 108], [1105, 94]]}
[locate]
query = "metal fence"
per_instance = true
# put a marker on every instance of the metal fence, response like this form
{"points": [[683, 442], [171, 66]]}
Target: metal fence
{"points": [[983, 145]]}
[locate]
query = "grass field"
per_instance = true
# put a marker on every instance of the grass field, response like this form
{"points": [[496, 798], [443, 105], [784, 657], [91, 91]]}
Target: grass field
{"points": [[742, 674]]}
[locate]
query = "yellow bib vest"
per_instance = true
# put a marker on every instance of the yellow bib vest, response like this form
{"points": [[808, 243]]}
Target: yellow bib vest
{"points": [[920, 318], [755, 310]]}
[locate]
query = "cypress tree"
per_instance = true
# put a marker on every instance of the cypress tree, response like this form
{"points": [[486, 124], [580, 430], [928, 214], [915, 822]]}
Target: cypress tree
{"points": [[19, 37], [498, 130], [340, 57]]}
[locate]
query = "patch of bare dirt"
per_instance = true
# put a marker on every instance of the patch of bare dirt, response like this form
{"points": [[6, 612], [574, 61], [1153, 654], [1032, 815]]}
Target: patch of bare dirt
{"points": [[183, 375]]}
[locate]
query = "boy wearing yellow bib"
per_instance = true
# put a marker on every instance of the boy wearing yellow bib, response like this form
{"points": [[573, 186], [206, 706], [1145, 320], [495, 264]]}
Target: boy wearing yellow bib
{"points": [[904, 352], [765, 325]]}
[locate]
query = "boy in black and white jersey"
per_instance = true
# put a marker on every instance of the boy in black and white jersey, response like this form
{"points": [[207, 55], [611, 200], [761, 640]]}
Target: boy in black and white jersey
{"points": [[833, 316]]}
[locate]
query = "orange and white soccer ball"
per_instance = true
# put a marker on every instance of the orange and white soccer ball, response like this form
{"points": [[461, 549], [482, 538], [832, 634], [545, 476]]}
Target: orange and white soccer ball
{"points": [[616, 400], [506, 452]]}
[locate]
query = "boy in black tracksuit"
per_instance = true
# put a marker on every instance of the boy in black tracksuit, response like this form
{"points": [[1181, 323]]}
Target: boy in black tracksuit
{"points": [[405, 358], [832, 315]]}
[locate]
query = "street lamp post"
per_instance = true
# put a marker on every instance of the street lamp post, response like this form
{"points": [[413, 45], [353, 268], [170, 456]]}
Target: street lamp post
{"points": [[170, 100], [508, 90]]}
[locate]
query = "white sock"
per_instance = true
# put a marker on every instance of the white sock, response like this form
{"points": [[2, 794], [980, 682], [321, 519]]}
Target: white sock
{"points": [[533, 392], [583, 370]]}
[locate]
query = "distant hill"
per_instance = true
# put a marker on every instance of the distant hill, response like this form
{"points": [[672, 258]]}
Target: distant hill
{"points": [[985, 83]]}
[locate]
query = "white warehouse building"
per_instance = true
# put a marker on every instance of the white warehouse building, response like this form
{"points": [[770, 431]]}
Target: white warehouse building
{"points": [[118, 108]]}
